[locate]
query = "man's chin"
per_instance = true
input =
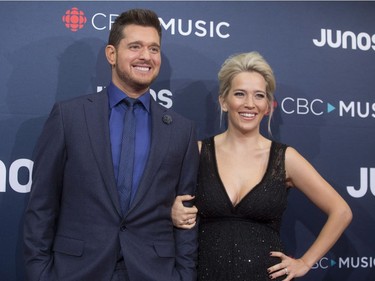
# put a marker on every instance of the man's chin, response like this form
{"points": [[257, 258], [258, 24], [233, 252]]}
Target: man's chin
{"points": [[144, 83], [142, 86]]}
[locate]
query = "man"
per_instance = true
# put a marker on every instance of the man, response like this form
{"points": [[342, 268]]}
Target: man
{"points": [[77, 225]]}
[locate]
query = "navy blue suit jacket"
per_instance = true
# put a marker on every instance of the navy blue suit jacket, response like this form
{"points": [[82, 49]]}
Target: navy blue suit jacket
{"points": [[73, 223]]}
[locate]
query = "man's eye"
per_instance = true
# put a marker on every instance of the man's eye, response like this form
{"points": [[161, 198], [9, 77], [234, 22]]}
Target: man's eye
{"points": [[134, 47], [154, 50]]}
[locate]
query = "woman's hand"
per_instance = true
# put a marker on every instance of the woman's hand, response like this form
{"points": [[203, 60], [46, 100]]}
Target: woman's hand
{"points": [[288, 267], [183, 217]]}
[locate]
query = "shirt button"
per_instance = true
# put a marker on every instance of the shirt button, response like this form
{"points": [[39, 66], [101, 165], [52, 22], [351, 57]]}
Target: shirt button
{"points": [[122, 227]]}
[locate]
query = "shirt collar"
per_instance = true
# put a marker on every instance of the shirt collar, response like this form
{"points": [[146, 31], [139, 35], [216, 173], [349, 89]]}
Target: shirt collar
{"points": [[115, 95]]}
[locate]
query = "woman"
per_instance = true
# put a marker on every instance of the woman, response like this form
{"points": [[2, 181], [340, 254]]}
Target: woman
{"points": [[243, 184]]}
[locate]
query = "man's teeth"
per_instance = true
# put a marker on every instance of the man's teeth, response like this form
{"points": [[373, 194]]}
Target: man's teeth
{"points": [[141, 68]]}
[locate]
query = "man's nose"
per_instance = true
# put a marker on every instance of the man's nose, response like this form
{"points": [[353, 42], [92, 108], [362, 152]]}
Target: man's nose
{"points": [[145, 53]]}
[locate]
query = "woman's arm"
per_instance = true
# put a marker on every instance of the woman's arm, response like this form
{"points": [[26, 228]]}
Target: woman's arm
{"points": [[302, 175], [183, 217]]}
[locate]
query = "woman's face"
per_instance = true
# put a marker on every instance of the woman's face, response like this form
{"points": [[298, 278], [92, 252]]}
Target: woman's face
{"points": [[246, 102]]}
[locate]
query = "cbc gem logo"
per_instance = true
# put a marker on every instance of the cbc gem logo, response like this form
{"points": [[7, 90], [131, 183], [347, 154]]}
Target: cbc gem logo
{"points": [[74, 19]]}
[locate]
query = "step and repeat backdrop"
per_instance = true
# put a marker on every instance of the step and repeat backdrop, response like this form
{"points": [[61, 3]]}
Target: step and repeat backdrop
{"points": [[323, 55]]}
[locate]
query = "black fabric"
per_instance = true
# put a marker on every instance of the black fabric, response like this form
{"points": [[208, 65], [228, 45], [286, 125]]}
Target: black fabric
{"points": [[235, 241]]}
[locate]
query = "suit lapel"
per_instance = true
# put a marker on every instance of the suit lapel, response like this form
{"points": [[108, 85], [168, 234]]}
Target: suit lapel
{"points": [[97, 120], [160, 134]]}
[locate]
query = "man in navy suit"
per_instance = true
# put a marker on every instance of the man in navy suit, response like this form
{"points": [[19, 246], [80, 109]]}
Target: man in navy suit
{"points": [[75, 228]]}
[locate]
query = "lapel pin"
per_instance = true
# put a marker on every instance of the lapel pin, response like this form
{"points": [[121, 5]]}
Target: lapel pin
{"points": [[167, 119]]}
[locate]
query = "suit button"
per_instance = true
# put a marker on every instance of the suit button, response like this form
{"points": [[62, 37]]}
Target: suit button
{"points": [[122, 227]]}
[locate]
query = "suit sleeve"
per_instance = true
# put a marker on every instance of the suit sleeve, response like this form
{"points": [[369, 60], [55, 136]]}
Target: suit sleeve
{"points": [[42, 211], [187, 240]]}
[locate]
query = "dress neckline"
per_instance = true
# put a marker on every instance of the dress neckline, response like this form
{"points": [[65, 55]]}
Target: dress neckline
{"points": [[270, 156]]}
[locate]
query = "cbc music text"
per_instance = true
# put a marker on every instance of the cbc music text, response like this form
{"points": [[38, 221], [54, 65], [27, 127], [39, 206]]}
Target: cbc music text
{"points": [[183, 27], [345, 39], [303, 106], [345, 263]]}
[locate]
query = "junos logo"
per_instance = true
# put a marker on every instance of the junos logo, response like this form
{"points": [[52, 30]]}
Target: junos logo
{"points": [[303, 106], [345, 39], [75, 19], [366, 183], [163, 97], [12, 175]]}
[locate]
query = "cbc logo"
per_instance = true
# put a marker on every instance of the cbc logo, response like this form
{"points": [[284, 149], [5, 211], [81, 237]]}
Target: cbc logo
{"points": [[74, 19], [302, 106], [324, 263]]}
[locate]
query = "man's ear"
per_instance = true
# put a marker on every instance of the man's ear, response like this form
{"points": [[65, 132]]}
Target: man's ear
{"points": [[110, 53]]}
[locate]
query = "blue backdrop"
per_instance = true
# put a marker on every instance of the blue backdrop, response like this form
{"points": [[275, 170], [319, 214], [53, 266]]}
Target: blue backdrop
{"points": [[323, 55]]}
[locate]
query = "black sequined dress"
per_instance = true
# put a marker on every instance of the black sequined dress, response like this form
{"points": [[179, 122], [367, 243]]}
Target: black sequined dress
{"points": [[235, 241]]}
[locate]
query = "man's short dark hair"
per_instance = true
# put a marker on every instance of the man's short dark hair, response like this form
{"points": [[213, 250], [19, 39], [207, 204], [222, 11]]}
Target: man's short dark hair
{"points": [[142, 17]]}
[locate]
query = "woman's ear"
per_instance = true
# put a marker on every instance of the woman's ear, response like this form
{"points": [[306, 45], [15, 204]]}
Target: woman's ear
{"points": [[268, 110], [223, 104], [270, 107]]}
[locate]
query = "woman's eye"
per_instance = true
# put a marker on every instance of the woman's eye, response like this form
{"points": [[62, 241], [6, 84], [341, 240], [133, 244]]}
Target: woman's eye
{"points": [[260, 96], [239, 94]]}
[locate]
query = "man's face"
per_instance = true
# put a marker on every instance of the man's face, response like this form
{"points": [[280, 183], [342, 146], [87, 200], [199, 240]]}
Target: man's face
{"points": [[136, 60]]}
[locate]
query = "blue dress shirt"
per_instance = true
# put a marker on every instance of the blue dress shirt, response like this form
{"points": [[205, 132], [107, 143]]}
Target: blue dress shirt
{"points": [[142, 135]]}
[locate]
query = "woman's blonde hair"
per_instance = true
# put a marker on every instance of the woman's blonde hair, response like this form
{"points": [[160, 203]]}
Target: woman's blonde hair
{"points": [[247, 62]]}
